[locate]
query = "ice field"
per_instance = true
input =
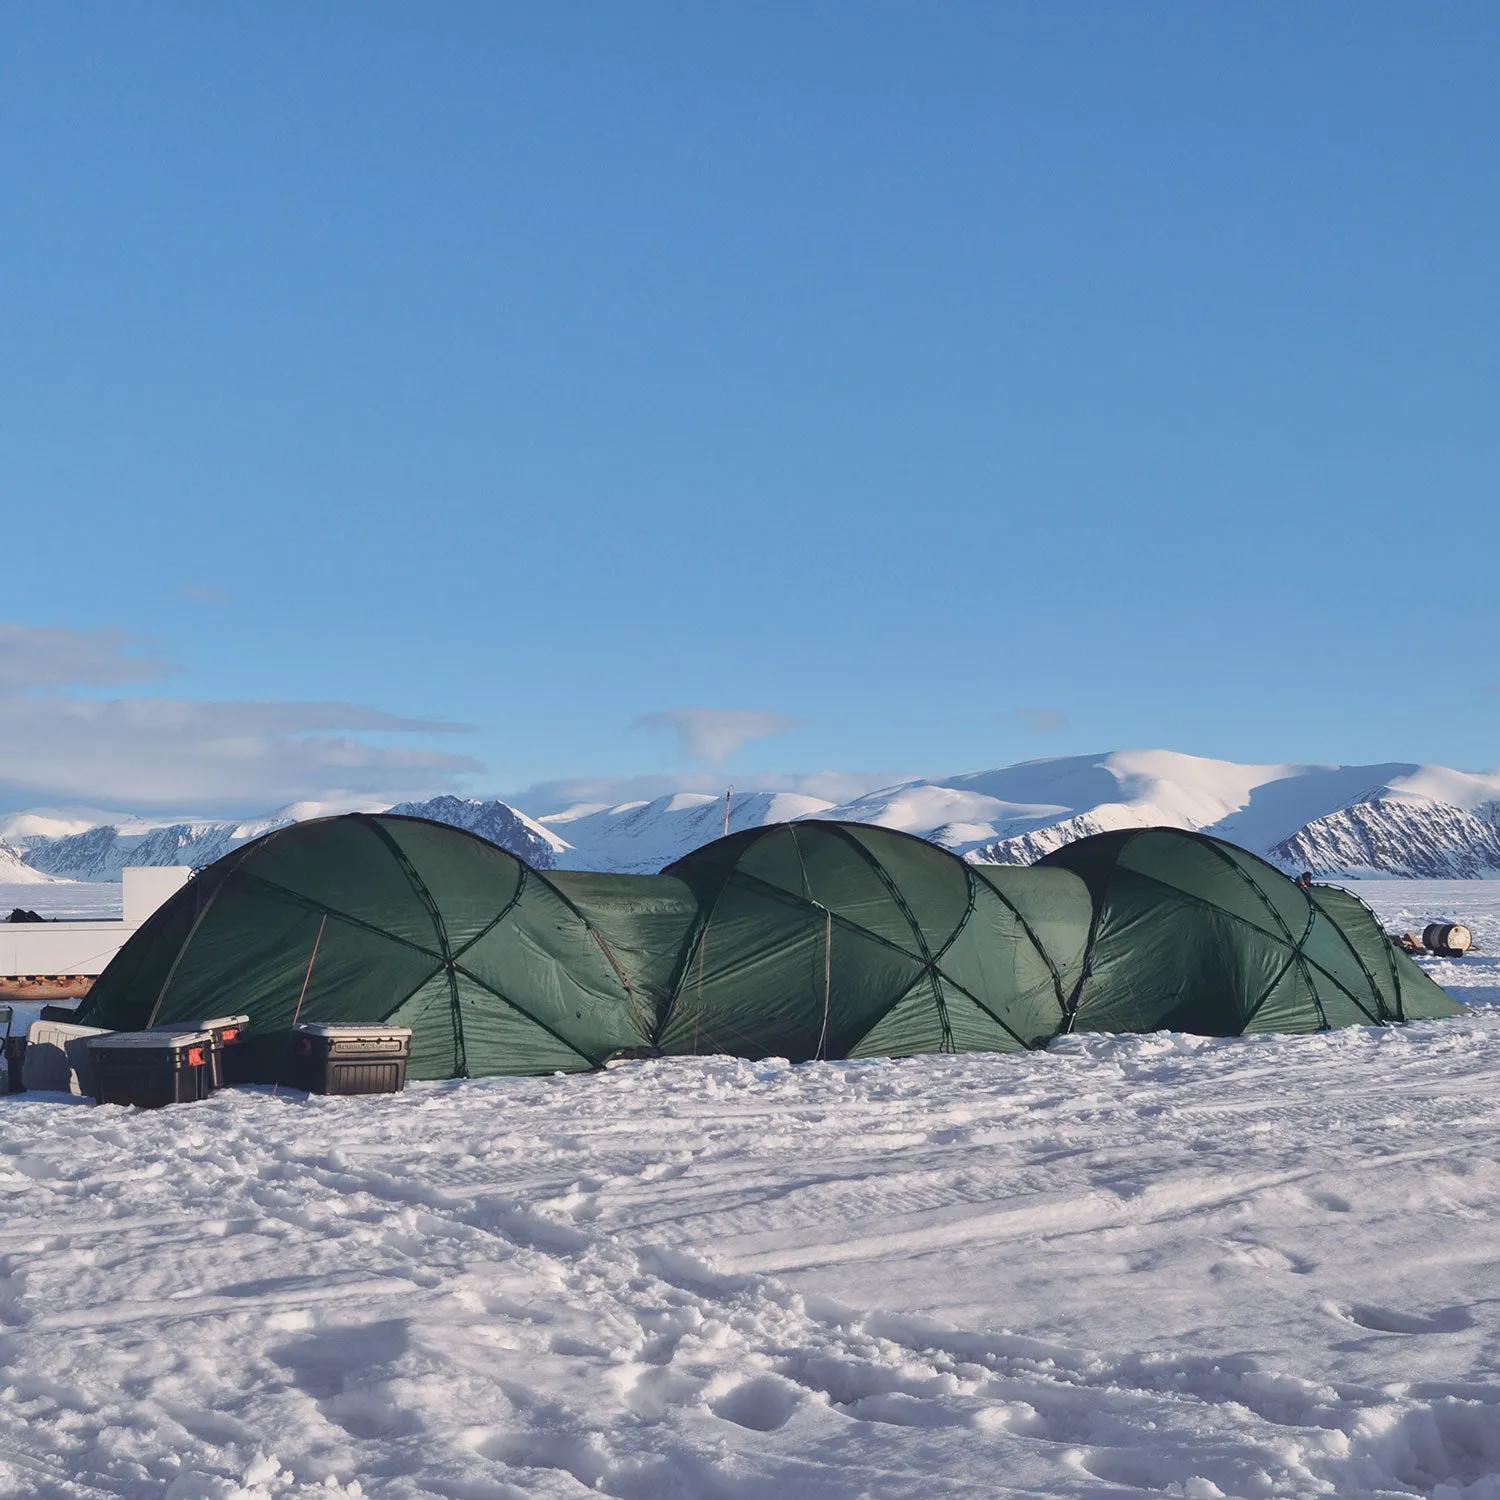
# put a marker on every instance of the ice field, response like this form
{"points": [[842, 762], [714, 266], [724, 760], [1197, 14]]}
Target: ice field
{"points": [[1154, 1265], [64, 900]]}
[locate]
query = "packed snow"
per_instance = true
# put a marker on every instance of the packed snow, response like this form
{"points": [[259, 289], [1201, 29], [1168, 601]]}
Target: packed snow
{"points": [[1153, 1265]]}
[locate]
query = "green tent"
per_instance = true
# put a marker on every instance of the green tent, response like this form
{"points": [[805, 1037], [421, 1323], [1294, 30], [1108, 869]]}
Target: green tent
{"points": [[496, 967], [803, 940], [1193, 934], [822, 939]]}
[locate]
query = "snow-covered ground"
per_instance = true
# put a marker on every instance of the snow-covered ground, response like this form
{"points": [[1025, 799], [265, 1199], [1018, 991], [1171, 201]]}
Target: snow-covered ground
{"points": [[1138, 1265], [64, 900]]}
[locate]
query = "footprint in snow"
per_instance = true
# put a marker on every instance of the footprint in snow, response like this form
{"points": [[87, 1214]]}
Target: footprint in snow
{"points": [[1332, 1202], [762, 1404], [1266, 1258], [1389, 1320]]}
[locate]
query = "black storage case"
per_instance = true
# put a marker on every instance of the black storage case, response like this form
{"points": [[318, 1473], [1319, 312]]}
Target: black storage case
{"points": [[13, 1053], [231, 1058], [350, 1059], [15, 1063], [152, 1068]]}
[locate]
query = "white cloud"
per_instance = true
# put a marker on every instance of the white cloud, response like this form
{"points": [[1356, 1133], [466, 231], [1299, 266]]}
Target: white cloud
{"points": [[212, 757], [547, 797], [45, 656], [187, 756], [716, 733]]}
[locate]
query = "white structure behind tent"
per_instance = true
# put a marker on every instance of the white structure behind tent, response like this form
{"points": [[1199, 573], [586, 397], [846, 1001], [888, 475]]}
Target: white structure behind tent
{"points": [[146, 887], [40, 960]]}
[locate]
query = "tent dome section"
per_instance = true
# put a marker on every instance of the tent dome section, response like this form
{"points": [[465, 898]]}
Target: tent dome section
{"points": [[823, 939], [386, 919], [1407, 992], [1193, 934]]}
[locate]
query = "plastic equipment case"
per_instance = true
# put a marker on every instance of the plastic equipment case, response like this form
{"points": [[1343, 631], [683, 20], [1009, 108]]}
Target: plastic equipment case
{"points": [[345, 1059], [57, 1058], [152, 1068], [230, 1061]]}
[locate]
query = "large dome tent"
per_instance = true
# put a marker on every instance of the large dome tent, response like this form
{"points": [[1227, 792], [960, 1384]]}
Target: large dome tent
{"points": [[497, 967], [825, 939], [1191, 933]]}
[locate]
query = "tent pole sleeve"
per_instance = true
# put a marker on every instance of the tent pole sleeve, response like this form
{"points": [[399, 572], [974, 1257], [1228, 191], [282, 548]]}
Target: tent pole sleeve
{"points": [[503, 913], [166, 983], [827, 978], [1354, 953], [1292, 957], [1031, 937], [309, 903], [306, 980], [440, 927], [929, 963], [521, 1010]]}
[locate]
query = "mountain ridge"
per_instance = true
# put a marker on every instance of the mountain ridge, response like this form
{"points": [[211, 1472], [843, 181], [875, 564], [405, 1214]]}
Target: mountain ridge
{"points": [[1391, 818]]}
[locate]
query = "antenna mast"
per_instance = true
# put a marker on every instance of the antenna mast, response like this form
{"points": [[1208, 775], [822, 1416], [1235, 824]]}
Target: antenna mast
{"points": [[727, 796]]}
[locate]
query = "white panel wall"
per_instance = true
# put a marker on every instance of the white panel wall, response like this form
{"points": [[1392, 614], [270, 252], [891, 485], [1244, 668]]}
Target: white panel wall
{"points": [[86, 947], [59, 947], [146, 888]]}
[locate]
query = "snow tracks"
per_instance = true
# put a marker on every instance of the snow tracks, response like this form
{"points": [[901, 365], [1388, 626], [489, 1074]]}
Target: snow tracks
{"points": [[1151, 1265]]}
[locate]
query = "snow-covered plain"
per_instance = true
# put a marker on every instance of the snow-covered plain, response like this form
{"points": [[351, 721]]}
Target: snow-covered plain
{"points": [[1137, 1265], [64, 900]]}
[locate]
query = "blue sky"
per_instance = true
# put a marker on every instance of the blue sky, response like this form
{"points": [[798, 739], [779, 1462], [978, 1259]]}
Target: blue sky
{"points": [[924, 388]]}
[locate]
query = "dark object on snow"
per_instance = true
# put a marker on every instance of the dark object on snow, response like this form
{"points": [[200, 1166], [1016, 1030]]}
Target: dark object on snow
{"points": [[15, 1062], [65, 1013], [20, 914], [1305, 880], [332, 1059], [229, 1058], [152, 1068], [1447, 939]]}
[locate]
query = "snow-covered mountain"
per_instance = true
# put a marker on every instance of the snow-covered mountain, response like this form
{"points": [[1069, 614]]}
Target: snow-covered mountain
{"points": [[1398, 837], [496, 821], [1388, 819], [14, 870], [1394, 819], [99, 851], [637, 837]]}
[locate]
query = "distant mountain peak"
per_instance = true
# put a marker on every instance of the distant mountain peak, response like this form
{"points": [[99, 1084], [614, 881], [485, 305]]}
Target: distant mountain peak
{"points": [[494, 820], [1396, 818]]}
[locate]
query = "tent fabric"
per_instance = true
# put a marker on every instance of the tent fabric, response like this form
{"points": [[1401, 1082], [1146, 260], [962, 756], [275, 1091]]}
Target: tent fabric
{"points": [[1194, 934], [802, 940], [497, 967], [824, 939]]}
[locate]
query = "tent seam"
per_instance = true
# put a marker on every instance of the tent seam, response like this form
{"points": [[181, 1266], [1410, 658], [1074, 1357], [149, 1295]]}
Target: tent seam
{"points": [[894, 890], [522, 1011], [429, 901]]}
